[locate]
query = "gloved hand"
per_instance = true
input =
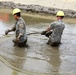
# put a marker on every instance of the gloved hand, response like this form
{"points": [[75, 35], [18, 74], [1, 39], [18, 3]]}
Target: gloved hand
{"points": [[15, 40], [43, 33], [48, 33], [6, 32]]}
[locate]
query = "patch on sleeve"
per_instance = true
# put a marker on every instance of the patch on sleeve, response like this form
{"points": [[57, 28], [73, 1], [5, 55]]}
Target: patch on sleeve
{"points": [[21, 26]]}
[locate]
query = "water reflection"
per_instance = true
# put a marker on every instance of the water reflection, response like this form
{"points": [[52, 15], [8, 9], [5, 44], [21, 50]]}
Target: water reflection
{"points": [[55, 58], [19, 55]]}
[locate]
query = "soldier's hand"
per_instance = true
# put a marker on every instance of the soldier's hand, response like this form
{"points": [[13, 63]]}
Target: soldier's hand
{"points": [[17, 39], [6, 32], [43, 33]]}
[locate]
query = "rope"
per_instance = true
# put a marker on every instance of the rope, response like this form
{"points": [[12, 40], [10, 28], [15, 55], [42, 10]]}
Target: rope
{"points": [[34, 33]]}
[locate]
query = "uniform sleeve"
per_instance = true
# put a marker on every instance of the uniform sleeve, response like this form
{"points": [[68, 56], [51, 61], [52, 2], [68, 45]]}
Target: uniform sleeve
{"points": [[13, 28], [52, 25], [21, 29]]}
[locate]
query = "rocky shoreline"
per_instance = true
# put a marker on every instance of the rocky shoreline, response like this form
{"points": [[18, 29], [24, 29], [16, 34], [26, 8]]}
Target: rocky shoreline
{"points": [[37, 9]]}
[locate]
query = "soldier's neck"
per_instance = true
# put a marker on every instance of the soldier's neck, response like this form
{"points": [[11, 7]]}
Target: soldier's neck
{"points": [[17, 18]]}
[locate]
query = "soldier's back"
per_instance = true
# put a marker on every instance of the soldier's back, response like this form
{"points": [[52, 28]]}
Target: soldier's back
{"points": [[57, 31]]}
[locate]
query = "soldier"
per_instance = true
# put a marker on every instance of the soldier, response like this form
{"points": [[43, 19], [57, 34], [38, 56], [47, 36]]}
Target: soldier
{"points": [[19, 28], [54, 32]]}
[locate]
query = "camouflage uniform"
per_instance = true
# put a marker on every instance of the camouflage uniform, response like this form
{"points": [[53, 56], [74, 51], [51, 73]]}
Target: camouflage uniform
{"points": [[20, 28], [57, 28]]}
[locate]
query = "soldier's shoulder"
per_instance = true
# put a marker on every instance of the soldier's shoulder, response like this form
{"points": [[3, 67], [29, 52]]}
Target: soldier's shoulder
{"points": [[21, 20], [63, 23], [54, 22]]}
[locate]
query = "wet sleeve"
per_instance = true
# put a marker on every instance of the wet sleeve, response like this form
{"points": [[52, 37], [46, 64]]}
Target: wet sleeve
{"points": [[52, 25], [13, 28], [21, 29]]}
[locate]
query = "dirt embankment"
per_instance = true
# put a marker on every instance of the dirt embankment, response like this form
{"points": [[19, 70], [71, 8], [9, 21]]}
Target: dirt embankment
{"points": [[37, 9]]}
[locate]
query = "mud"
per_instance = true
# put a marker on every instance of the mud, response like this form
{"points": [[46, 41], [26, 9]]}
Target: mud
{"points": [[39, 58]]}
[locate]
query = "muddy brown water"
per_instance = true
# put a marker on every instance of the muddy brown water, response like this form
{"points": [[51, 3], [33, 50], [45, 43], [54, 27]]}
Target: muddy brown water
{"points": [[39, 58]]}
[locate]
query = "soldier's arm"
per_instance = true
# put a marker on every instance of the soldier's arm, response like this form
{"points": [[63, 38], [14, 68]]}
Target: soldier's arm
{"points": [[44, 32], [51, 27], [48, 29], [13, 28], [10, 30], [21, 29]]}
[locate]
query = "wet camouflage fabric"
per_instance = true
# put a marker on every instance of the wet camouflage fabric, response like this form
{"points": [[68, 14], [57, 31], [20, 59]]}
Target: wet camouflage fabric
{"points": [[57, 27]]}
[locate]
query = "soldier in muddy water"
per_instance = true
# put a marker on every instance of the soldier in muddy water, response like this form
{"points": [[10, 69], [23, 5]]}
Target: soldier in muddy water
{"points": [[54, 32], [19, 28]]}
